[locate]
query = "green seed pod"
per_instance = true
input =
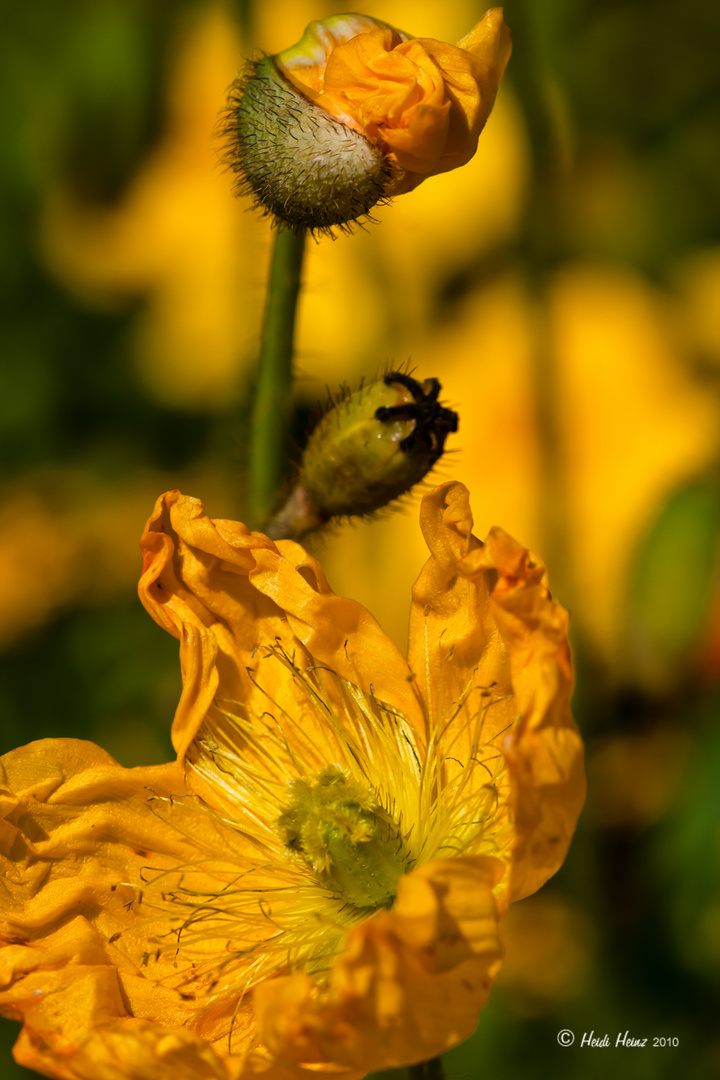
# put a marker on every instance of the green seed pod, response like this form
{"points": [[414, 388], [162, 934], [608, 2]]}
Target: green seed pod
{"points": [[306, 169], [369, 448]]}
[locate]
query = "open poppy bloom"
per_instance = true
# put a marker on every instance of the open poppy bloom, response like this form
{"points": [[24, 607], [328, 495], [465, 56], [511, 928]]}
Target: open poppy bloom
{"points": [[357, 112], [316, 883]]}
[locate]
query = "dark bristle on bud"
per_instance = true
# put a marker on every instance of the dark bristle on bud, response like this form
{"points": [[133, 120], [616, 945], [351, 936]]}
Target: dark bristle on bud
{"points": [[433, 422], [304, 168]]}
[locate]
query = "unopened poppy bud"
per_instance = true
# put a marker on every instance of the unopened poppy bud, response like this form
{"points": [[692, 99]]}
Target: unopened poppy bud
{"points": [[369, 448], [358, 112], [302, 166]]}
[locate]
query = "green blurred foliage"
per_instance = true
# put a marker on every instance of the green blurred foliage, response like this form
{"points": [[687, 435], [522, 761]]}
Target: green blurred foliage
{"points": [[629, 91], [639, 93], [673, 582]]}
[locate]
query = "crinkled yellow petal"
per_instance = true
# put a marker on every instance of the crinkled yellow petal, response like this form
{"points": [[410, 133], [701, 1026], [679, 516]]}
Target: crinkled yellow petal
{"points": [[229, 594], [395, 96], [304, 64], [483, 627], [471, 86], [409, 983], [489, 41], [545, 752], [79, 833], [423, 101], [459, 659], [139, 1049]]}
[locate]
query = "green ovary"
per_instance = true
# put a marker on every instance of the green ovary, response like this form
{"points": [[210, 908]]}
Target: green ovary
{"points": [[351, 844]]}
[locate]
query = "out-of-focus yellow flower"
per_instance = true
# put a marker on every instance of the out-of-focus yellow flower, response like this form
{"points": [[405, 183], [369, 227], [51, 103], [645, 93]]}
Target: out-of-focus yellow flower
{"points": [[177, 238], [621, 365], [65, 540], [316, 883], [357, 112]]}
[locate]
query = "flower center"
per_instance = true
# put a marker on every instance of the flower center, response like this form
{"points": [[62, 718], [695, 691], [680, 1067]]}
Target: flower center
{"points": [[351, 844]]}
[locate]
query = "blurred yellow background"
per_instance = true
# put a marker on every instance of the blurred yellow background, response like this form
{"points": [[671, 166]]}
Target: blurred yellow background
{"points": [[564, 287]]}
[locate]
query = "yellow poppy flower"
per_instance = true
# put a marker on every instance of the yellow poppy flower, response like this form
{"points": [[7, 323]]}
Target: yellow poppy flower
{"points": [[357, 112], [317, 881], [424, 101]]}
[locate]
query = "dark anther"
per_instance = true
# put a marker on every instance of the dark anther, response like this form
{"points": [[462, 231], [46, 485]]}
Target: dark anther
{"points": [[433, 423]]}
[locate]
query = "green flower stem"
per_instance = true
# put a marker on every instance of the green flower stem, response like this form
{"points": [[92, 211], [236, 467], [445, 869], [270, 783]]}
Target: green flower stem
{"points": [[427, 1070], [268, 423]]}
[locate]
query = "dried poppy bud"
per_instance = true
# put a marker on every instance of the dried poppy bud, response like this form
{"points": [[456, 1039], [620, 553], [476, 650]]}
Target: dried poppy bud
{"points": [[357, 112], [369, 448]]}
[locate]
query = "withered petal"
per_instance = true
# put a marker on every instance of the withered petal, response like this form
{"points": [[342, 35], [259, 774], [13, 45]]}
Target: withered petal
{"points": [[545, 752], [483, 624]]}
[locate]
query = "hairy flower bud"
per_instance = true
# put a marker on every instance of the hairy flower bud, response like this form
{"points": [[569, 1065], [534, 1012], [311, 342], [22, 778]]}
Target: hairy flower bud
{"points": [[358, 112], [369, 448], [302, 166]]}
